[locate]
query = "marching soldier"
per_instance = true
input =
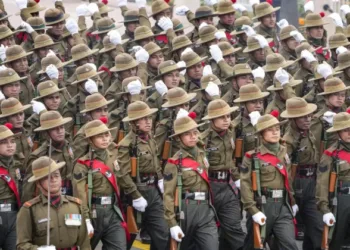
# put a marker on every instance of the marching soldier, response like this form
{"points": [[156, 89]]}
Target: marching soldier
{"points": [[208, 35], [7, 36], [257, 50], [288, 45], [335, 41], [103, 26], [178, 45], [344, 65], [156, 57], [10, 84], [160, 9], [142, 36]]}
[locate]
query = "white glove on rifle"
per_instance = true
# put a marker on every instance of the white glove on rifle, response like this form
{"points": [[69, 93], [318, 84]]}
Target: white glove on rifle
{"points": [[325, 70], [187, 50], [202, 25], [142, 56], [295, 209], [122, 3], [82, 10], [328, 117], [3, 52], [161, 87], [238, 184], [282, 23], [182, 64], [165, 23], [212, 89], [140, 3], [27, 27], [309, 6], [114, 37], [329, 219], [89, 228], [282, 76], [210, 2], [175, 232], [72, 26], [248, 30], [254, 117], [337, 19], [340, 50], [258, 73], [140, 204], [259, 218], [297, 36], [220, 35], [182, 10], [207, 70], [216, 53], [93, 8], [181, 113], [52, 71], [38, 107], [91, 86], [262, 41], [308, 56], [345, 9], [134, 87], [161, 185], [239, 7], [22, 4]]}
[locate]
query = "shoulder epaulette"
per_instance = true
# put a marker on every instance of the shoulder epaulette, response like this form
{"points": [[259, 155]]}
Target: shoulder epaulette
{"points": [[74, 199], [31, 202], [328, 152]]}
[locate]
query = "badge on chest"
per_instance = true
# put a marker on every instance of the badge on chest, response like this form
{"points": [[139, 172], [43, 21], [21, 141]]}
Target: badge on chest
{"points": [[72, 219]]}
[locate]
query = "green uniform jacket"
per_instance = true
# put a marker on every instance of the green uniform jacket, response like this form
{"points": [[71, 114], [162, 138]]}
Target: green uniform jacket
{"points": [[248, 132], [6, 192], [33, 69], [24, 145], [164, 127], [27, 92], [230, 96], [305, 75], [240, 56], [113, 93]]}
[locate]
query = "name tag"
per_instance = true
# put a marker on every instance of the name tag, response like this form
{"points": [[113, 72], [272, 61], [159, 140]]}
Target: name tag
{"points": [[72, 219], [342, 162], [106, 200], [277, 193], [42, 220], [199, 196], [5, 207]]}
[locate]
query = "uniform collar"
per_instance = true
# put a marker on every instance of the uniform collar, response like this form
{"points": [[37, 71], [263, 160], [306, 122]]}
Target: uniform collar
{"points": [[44, 199]]}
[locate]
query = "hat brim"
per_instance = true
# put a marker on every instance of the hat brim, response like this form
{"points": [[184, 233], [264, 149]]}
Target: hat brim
{"points": [[205, 16], [263, 95], [153, 14], [225, 12], [346, 44], [93, 51], [65, 16], [100, 132], [333, 92], [41, 8], [151, 112], [44, 46], [96, 32], [247, 50], [64, 121], [25, 107], [233, 76], [265, 14], [315, 79], [198, 125], [78, 81], [202, 59], [115, 69], [310, 109], [164, 73], [231, 110], [279, 123], [332, 129], [190, 96], [20, 79], [88, 110], [312, 25], [58, 166], [27, 54], [42, 96], [286, 65], [293, 84]]}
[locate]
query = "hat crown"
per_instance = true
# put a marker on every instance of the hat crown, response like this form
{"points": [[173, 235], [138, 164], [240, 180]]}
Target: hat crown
{"points": [[49, 116], [8, 72], [159, 6], [295, 103], [14, 50], [313, 17], [224, 6], [338, 37], [35, 21], [151, 47], [209, 78], [285, 32], [79, 49], [341, 118], [137, 106], [274, 59], [301, 47], [4, 132], [334, 85], [184, 124], [203, 11], [252, 42], [176, 22], [4, 28], [165, 64], [42, 38], [142, 31], [93, 98], [131, 13], [104, 22], [51, 59], [207, 30], [240, 68], [53, 12], [180, 42], [344, 57], [122, 59], [189, 56], [175, 93], [47, 85], [243, 20], [128, 80], [225, 46], [81, 70], [107, 42], [10, 103], [266, 121], [263, 9], [95, 127], [40, 167], [217, 106]]}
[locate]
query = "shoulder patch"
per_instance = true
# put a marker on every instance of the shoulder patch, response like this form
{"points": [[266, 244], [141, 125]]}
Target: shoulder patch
{"points": [[248, 155], [243, 169], [78, 176], [323, 168], [74, 199], [168, 177]]}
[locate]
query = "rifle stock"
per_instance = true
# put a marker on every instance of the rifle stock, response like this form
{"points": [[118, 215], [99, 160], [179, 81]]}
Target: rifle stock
{"points": [[166, 150], [239, 147], [294, 170], [173, 244], [133, 167], [121, 135], [322, 146], [131, 222], [324, 244], [257, 238]]}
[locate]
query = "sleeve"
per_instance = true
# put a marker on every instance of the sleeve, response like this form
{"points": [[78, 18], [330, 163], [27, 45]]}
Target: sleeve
{"points": [[190, 15], [156, 161], [225, 68], [79, 183], [290, 181], [80, 146], [160, 137], [69, 111], [82, 22], [170, 182], [24, 230], [83, 240], [142, 72], [28, 191], [288, 91], [143, 19], [322, 183]]}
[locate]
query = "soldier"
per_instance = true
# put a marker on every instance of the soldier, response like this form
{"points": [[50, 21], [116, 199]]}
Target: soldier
{"points": [[10, 84], [28, 9], [276, 209], [7, 36], [103, 26], [186, 186], [52, 129], [178, 45], [223, 174], [179, 28], [146, 187], [335, 41], [257, 51], [69, 227], [288, 45], [38, 25], [226, 15], [304, 155], [156, 57], [208, 35], [160, 9], [344, 65]]}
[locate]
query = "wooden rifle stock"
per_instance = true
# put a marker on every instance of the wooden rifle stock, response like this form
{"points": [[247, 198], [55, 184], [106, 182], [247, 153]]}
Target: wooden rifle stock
{"points": [[257, 237], [255, 187], [239, 146], [173, 244], [166, 150], [322, 146], [324, 244], [133, 167], [294, 170], [332, 180], [121, 135], [35, 145], [131, 222]]}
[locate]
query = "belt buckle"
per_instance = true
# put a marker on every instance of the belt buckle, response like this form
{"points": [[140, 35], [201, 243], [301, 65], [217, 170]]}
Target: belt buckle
{"points": [[277, 194], [5, 207], [222, 175], [106, 200], [199, 196], [310, 172], [150, 180]]}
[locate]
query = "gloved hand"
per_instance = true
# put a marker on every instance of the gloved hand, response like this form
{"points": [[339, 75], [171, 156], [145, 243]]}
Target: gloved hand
{"points": [[47, 247], [91, 86], [92, 66], [254, 117], [329, 219], [122, 3], [258, 73], [207, 70], [142, 56], [249, 31], [161, 185], [295, 209], [38, 107], [262, 41], [308, 56], [3, 67], [140, 204], [220, 35], [328, 117], [252, 2], [182, 10], [238, 184], [175, 232], [282, 23], [297, 36], [140, 3], [337, 19], [165, 23], [259, 218], [3, 52], [136, 48], [52, 71], [187, 50], [210, 2], [282, 76], [90, 228], [27, 27], [72, 26], [340, 50], [93, 8], [181, 113], [50, 53], [134, 87], [22, 4], [182, 64], [2, 97], [309, 6], [82, 10], [161, 87], [212, 89], [216, 53], [114, 37], [345, 9], [325, 70], [239, 7], [202, 25]]}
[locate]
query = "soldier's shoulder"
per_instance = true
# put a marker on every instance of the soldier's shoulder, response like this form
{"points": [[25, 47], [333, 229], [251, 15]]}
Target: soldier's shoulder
{"points": [[41, 151], [32, 202], [329, 151], [205, 133], [73, 101], [249, 154], [153, 98], [127, 140], [73, 199]]}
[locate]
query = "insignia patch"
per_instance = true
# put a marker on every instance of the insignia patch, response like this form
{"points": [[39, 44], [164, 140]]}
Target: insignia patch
{"points": [[243, 169], [116, 165], [78, 176], [72, 219], [108, 174], [42, 220], [323, 168], [168, 177]]}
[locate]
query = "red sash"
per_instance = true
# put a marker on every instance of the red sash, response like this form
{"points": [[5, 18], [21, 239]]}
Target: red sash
{"points": [[105, 69], [342, 154], [96, 37], [273, 47], [320, 51], [4, 174], [162, 38]]}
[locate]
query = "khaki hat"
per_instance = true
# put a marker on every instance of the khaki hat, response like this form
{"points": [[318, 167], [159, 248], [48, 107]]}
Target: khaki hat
{"points": [[192, 58], [32, 7], [96, 127], [167, 67], [304, 46], [184, 124], [253, 44], [206, 34], [12, 106], [285, 32], [275, 61], [218, 108], [81, 51], [313, 20], [267, 121], [95, 101], [243, 20], [131, 16], [278, 86], [264, 9], [177, 96], [15, 52], [5, 32], [3, 15], [240, 69], [347, 31], [43, 166], [104, 25], [203, 12], [123, 62], [224, 7], [42, 41], [8, 75], [178, 26], [250, 92], [104, 8], [128, 80], [333, 85], [159, 6], [107, 45], [337, 40], [205, 80], [138, 110], [152, 48], [53, 16], [85, 72], [5, 132], [142, 32], [298, 107], [37, 23], [227, 48], [47, 88], [51, 59], [340, 121], [343, 61], [180, 42], [50, 120]]}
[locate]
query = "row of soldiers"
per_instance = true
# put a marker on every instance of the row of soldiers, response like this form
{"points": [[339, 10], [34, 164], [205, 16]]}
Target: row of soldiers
{"points": [[163, 131]]}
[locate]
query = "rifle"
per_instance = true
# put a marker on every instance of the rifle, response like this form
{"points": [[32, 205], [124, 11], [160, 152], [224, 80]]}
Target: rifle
{"points": [[169, 142], [121, 131], [295, 157], [77, 123], [323, 144], [48, 199], [239, 137]]}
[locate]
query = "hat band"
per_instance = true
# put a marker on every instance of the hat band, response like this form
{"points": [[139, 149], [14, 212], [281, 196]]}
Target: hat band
{"points": [[50, 19], [37, 172], [43, 43], [336, 88], [226, 9], [49, 91], [12, 109], [92, 105], [249, 95], [124, 66], [192, 62], [341, 125], [131, 18], [86, 75], [208, 36], [168, 69], [267, 124], [338, 43], [139, 113], [180, 26], [96, 130], [254, 46], [144, 35], [177, 99], [297, 110], [243, 72], [51, 123], [9, 79], [6, 134], [201, 14], [81, 54], [15, 57], [40, 26], [185, 127], [103, 28], [181, 45]]}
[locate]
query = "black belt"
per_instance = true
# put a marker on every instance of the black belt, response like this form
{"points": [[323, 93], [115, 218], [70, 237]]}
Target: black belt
{"points": [[306, 171], [196, 196], [8, 207], [148, 179], [219, 175], [103, 200], [274, 193], [343, 190]]}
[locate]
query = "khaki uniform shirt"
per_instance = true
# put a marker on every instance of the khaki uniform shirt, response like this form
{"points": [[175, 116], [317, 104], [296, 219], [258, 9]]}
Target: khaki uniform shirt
{"points": [[303, 88], [27, 92], [24, 145], [163, 130], [248, 132], [6, 192]]}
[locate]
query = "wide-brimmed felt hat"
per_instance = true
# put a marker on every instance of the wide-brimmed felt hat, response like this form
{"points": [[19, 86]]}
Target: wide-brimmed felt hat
{"points": [[142, 32], [159, 6], [333, 85], [152, 48], [131, 16], [42, 41], [224, 7], [47, 88], [240, 69], [184, 124], [205, 80], [218, 108], [285, 32], [313, 20], [37, 23], [275, 61], [253, 44], [104, 25], [95, 101], [3, 15], [130, 79], [107, 45], [177, 96], [277, 85], [340, 121], [5, 133], [43, 166], [343, 60], [250, 92], [96, 127], [123, 62], [203, 12], [167, 67], [267, 121], [264, 9], [85, 72], [304, 46], [104, 8], [54, 60], [243, 20], [8, 75], [12, 106], [14, 53], [337, 40], [5, 32], [138, 110], [206, 34], [81, 51], [178, 26], [318, 76], [298, 107], [227, 48], [50, 120], [180, 42], [192, 58], [53, 16], [32, 7]]}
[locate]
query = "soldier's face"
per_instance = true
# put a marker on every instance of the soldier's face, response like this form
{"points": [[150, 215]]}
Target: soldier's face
{"points": [[272, 135], [223, 122], [230, 59], [190, 138], [316, 32], [145, 41], [185, 106], [88, 59], [128, 73], [43, 52], [98, 113], [259, 55], [131, 27], [57, 134], [55, 183], [4, 22], [8, 147], [20, 65], [16, 120], [8, 41], [57, 29], [303, 123], [345, 135], [102, 140], [337, 100], [180, 33], [292, 43], [255, 105], [156, 59], [52, 102], [269, 20], [172, 79], [195, 71], [244, 80], [145, 124], [228, 19], [321, 83], [12, 90]]}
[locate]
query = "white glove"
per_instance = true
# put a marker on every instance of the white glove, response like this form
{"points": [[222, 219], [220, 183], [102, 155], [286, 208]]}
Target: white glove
{"points": [[91, 86], [202, 25], [122, 3], [328, 117], [93, 8], [182, 64], [140, 3], [22, 4], [329, 219], [297, 36], [92, 66], [47, 247], [89, 228], [165, 23], [182, 10], [140, 204], [248, 30], [211, 2], [175, 232], [345, 9], [3, 67], [259, 218], [136, 48], [282, 23], [27, 27], [238, 184], [50, 53], [295, 209], [308, 56], [252, 2], [258, 73], [212, 89], [325, 70], [309, 6], [282, 76], [114, 37], [82, 10], [341, 50], [187, 50], [134, 87], [262, 41], [207, 70], [181, 113], [38, 107], [72, 26], [337, 19], [216, 53], [161, 185], [220, 35], [239, 7], [2, 97], [52, 71], [254, 117], [161, 87], [142, 56], [3, 52]]}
